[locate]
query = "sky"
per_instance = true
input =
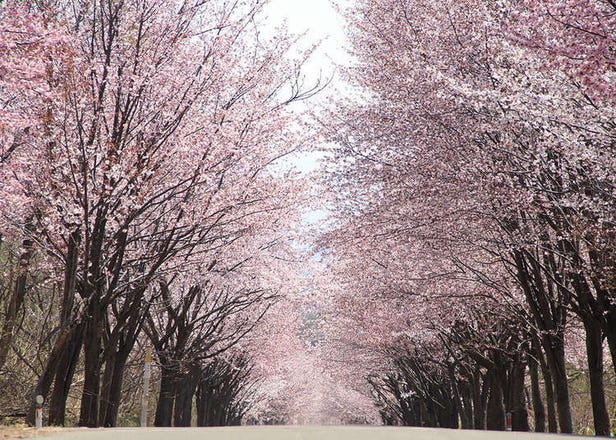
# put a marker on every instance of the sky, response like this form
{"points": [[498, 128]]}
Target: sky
{"points": [[320, 23], [319, 20]]}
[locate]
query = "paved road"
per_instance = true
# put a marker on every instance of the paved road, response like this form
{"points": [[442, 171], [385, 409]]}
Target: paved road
{"points": [[295, 433]]}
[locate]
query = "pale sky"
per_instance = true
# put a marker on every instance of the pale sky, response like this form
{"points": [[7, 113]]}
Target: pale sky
{"points": [[320, 21]]}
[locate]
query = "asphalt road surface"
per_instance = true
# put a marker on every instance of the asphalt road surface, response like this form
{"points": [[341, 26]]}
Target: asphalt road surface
{"points": [[296, 433]]}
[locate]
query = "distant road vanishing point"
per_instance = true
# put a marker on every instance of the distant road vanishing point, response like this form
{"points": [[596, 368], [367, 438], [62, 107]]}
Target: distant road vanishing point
{"points": [[296, 433]]}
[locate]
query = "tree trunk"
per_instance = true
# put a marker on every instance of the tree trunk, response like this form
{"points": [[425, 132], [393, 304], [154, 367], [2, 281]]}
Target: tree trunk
{"points": [[467, 400], [538, 409], [113, 390], [478, 406], [610, 335], [555, 358], [119, 343], [105, 394], [185, 391], [517, 396], [547, 303], [65, 368], [88, 415], [548, 382], [594, 351], [164, 407], [46, 379], [465, 422], [495, 409], [64, 376], [603, 264], [203, 402], [15, 303]]}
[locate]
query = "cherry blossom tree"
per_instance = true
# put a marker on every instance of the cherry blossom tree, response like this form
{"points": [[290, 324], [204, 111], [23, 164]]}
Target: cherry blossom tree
{"points": [[585, 40], [471, 183]]}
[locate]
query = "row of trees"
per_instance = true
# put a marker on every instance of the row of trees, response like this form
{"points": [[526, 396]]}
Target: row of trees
{"points": [[139, 199], [474, 193], [472, 248]]}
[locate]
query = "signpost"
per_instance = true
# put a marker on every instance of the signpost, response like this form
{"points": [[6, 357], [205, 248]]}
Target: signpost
{"points": [[38, 411], [146, 385]]}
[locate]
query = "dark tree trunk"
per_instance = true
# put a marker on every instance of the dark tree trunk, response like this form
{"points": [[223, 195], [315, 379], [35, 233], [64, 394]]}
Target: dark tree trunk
{"points": [[185, 391], [610, 335], [46, 379], [591, 312], [65, 368], [112, 385], [602, 264], [205, 403], [429, 415], [465, 421], [119, 342], [114, 395], [517, 396], [202, 403], [447, 414], [88, 415], [555, 358], [417, 412], [495, 413], [549, 391], [64, 377], [594, 351], [164, 407], [106, 384], [538, 409], [467, 399], [547, 303], [95, 292], [11, 315], [453, 416], [478, 401]]}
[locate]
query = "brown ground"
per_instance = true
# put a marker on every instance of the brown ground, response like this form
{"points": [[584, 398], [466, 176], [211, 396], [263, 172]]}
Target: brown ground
{"points": [[17, 432]]}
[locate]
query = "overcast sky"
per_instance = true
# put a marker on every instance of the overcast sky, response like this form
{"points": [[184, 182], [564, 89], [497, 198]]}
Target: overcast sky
{"points": [[320, 21]]}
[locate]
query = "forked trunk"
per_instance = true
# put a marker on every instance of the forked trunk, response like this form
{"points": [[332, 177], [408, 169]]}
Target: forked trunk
{"points": [[65, 371]]}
